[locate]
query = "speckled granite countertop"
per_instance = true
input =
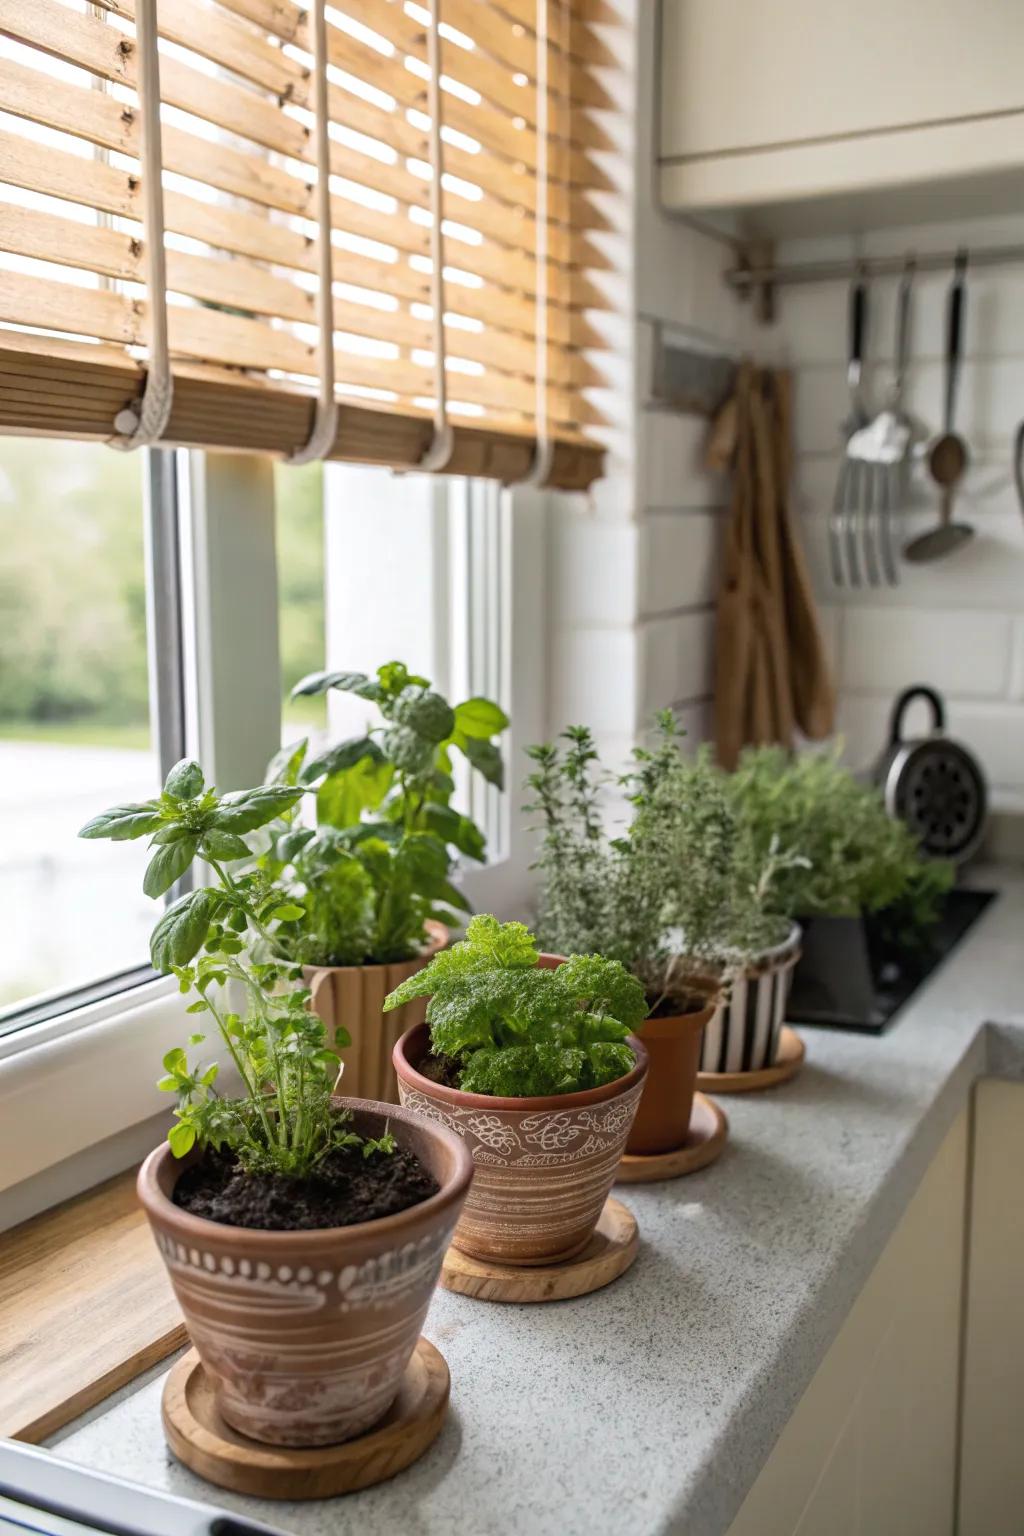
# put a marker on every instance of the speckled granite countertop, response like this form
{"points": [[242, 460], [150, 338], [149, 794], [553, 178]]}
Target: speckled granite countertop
{"points": [[650, 1407]]}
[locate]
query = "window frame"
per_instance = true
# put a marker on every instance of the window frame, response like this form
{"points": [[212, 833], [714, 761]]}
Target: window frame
{"points": [[56, 1074]]}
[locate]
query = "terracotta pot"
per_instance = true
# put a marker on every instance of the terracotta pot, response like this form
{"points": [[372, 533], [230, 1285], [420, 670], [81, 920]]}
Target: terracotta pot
{"points": [[743, 1036], [663, 1116], [353, 995], [306, 1335], [544, 1166]]}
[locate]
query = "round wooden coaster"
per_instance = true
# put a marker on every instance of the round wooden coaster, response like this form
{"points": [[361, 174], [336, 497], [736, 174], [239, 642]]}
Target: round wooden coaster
{"points": [[199, 1437], [787, 1064], [608, 1255], [709, 1129]]}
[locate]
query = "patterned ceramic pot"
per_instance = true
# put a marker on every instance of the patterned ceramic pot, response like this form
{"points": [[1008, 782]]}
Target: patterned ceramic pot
{"points": [[306, 1335], [744, 1034], [544, 1167], [673, 1048], [353, 995]]}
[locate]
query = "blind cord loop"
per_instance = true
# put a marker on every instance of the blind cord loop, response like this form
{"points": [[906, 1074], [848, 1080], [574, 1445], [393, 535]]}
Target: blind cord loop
{"points": [[438, 453], [544, 450], [325, 420], [143, 423]]}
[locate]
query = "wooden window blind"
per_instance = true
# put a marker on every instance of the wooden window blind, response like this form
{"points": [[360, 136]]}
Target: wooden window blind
{"points": [[501, 237]]}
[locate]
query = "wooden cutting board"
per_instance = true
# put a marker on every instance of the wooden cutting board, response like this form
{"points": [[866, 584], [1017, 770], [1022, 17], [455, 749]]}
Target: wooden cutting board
{"points": [[85, 1306]]}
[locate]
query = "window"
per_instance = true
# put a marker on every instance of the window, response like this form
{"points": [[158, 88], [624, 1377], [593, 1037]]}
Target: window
{"points": [[299, 536], [74, 714]]}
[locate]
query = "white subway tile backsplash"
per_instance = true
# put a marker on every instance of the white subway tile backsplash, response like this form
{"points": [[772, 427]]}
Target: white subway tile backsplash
{"points": [[670, 463], [965, 653], [677, 656], [679, 554], [957, 623], [593, 579], [594, 679]]}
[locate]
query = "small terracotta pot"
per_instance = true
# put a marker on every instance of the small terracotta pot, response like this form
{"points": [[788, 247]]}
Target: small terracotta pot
{"points": [[306, 1335], [663, 1116], [544, 1166], [353, 995], [743, 1035]]}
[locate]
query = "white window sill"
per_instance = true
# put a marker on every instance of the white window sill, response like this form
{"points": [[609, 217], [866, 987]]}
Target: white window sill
{"points": [[84, 1077]]}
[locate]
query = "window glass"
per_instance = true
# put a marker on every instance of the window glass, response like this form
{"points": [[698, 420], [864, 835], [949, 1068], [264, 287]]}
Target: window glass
{"points": [[299, 500], [74, 713]]}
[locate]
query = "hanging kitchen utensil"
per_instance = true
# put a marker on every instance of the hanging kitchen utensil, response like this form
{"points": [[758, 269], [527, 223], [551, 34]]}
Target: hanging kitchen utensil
{"points": [[842, 543], [933, 783], [948, 455]]}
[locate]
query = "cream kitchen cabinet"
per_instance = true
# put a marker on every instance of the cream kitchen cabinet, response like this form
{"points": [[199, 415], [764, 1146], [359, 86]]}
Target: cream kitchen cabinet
{"points": [[911, 1425], [798, 103]]}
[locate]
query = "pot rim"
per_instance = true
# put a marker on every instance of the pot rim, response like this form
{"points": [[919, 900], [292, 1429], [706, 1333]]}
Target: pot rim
{"points": [[582, 1099], [695, 1020], [159, 1206], [437, 938]]}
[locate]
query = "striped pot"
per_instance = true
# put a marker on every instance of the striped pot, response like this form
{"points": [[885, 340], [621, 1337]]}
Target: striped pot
{"points": [[353, 996], [543, 1167], [744, 1034]]}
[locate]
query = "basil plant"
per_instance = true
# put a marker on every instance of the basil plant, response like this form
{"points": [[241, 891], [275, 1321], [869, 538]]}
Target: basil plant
{"points": [[376, 865]]}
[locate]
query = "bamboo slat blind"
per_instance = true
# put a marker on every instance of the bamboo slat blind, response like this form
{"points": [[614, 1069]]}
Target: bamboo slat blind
{"points": [[511, 216]]}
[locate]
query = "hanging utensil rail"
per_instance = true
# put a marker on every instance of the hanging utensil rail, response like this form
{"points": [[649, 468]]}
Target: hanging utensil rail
{"points": [[745, 279]]}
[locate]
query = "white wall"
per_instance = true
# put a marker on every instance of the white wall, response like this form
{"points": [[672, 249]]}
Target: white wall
{"points": [[957, 624], [633, 565]]}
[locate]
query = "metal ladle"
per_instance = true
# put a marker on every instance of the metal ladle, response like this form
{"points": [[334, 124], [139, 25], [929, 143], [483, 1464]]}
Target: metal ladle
{"points": [[948, 456]]}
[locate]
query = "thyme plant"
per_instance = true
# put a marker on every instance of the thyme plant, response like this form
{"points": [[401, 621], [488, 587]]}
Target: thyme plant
{"points": [[681, 895], [283, 1121], [377, 865], [515, 1030]]}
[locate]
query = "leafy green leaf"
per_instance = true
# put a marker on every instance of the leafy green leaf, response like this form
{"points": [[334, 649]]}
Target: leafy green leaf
{"points": [[486, 759], [185, 780], [292, 843], [343, 797], [479, 717], [182, 930], [425, 712], [217, 844], [341, 756], [284, 766], [175, 1060], [200, 1007], [458, 830], [123, 822], [288, 912], [169, 864], [182, 1138], [408, 751], [347, 682], [247, 809]]}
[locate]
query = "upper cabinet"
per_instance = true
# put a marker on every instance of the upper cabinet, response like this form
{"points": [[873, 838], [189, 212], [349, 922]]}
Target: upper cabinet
{"points": [[817, 114]]}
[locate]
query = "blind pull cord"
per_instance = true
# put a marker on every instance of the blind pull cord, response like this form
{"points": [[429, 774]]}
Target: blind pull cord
{"points": [[544, 451], [143, 423], [438, 453], [325, 420]]}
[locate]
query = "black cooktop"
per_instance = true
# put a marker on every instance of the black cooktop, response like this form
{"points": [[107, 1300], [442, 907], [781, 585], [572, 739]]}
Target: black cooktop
{"points": [[853, 975]]}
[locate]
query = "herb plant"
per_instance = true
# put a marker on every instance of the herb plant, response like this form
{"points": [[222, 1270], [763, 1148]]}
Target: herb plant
{"points": [[377, 866], [518, 1031], [858, 858], [681, 884], [283, 1121]]}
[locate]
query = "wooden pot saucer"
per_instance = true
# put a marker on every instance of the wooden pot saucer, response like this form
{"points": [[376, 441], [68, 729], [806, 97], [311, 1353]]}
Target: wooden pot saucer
{"points": [[608, 1255], [201, 1439], [709, 1129], [789, 1060]]}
